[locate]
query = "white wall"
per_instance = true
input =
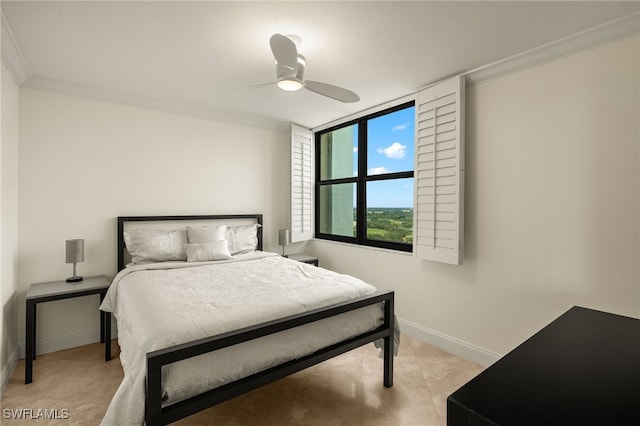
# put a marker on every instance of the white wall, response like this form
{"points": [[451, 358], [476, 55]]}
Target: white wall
{"points": [[551, 209], [8, 228], [552, 201], [83, 162]]}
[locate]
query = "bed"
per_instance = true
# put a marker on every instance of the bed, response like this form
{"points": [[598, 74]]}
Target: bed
{"points": [[227, 319]]}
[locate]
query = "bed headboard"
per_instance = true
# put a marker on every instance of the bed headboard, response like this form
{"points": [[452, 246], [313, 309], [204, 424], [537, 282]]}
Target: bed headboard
{"points": [[172, 222]]}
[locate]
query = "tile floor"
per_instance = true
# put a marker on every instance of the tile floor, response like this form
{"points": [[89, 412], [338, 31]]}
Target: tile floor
{"points": [[346, 390]]}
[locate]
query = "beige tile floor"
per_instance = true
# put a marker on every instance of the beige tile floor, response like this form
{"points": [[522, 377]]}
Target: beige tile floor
{"points": [[346, 390]]}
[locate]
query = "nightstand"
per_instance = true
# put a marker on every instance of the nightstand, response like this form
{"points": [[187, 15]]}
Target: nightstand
{"points": [[58, 290], [304, 258]]}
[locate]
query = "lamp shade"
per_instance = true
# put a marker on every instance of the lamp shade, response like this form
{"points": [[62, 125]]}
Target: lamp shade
{"points": [[283, 237], [75, 251]]}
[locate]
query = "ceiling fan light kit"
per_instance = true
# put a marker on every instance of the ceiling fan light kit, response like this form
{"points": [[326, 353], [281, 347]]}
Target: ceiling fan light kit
{"points": [[289, 84]]}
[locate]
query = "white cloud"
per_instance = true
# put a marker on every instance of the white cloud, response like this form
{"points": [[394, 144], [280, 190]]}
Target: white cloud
{"points": [[395, 151], [355, 149], [378, 170], [401, 127]]}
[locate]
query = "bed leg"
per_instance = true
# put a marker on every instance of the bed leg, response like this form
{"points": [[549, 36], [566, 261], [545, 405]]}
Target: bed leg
{"points": [[388, 362], [153, 403], [388, 343]]}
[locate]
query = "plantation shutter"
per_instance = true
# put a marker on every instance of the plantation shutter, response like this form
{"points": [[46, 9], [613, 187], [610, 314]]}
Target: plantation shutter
{"points": [[301, 215], [439, 173]]}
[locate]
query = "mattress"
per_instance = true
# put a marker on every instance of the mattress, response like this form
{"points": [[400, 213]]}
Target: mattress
{"points": [[159, 305]]}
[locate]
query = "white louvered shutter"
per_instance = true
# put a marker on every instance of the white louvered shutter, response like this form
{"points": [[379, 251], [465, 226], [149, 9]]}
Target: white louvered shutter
{"points": [[301, 216], [439, 172]]}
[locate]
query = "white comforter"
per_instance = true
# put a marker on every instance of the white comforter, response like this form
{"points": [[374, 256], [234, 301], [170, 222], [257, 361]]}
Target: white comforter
{"points": [[164, 304]]}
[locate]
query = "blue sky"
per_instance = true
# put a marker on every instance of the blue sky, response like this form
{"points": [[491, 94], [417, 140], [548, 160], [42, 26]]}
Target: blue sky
{"points": [[390, 149]]}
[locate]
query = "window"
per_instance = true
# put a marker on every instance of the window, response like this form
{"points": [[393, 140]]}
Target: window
{"points": [[364, 177], [364, 180]]}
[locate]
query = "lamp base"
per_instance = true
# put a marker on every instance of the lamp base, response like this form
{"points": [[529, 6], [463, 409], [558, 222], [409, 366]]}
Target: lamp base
{"points": [[74, 279]]}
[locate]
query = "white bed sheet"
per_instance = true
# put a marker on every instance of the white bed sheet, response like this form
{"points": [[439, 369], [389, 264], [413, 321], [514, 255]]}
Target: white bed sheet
{"points": [[165, 304]]}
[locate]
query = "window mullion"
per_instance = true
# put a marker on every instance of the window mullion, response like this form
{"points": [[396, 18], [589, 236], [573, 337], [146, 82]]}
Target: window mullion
{"points": [[338, 181], [361, 200], [389, 176]]}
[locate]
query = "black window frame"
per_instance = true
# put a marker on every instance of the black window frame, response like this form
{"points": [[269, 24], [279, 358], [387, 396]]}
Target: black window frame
{"points": [[361, 183]]}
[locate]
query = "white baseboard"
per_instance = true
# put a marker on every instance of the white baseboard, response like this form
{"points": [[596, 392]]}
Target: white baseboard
{"points": [[450, 344], [65, 342], [8, 369]]}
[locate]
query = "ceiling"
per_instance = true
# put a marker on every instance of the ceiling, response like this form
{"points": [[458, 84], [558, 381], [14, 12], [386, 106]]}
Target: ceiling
{"points": [[198, 57]]}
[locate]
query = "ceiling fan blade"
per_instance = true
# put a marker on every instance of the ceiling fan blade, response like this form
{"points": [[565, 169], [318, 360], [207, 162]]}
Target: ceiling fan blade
{"points": [[331, 91], [251, 86], [286, 54]]}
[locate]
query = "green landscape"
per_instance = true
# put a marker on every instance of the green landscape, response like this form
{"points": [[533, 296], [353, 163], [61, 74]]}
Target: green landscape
{"points": [[390, 224]]}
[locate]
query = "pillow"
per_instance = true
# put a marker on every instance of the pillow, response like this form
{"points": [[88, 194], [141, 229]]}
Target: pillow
{"points": [[243, 238], [206, 234], [202, 252], [149, 245]]}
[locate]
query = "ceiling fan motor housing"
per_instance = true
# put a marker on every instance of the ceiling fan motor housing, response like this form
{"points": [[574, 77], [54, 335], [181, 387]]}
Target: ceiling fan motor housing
{"points": [[291, 79], [286, 71]]}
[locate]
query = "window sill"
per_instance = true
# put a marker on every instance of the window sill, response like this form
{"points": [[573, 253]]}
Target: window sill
{"points": [[359, 246]]}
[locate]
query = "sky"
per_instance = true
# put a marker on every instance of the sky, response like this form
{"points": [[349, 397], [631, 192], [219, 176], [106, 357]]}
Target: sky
{"points": [[390, 149]]}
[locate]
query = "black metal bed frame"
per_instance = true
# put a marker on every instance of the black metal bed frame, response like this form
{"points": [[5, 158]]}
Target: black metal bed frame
{"points": [[155, 414]]}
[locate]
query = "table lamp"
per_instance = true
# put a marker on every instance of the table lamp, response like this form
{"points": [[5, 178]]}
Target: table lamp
{"points": [[283, 238], [75, 254]]}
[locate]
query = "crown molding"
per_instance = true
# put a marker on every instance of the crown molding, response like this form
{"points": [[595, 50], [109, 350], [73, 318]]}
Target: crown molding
{"points": [[618, 29], [103, 95], [19, 69], [12, 55]]}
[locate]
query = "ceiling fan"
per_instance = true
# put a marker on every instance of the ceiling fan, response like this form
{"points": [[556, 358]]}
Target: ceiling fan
{"points": [[290, 72]]}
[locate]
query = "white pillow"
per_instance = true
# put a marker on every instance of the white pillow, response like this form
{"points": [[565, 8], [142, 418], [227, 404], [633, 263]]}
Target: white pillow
{"points": [[150, 245], [206, 234], [243, 238], [202, 252]]}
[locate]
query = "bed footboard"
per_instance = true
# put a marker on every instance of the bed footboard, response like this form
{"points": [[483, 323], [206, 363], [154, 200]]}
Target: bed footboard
{"points": [[155, 414]]}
